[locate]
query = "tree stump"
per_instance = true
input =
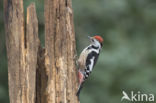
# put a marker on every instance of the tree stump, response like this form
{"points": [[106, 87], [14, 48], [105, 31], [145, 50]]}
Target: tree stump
{"points": [[36, 74]]}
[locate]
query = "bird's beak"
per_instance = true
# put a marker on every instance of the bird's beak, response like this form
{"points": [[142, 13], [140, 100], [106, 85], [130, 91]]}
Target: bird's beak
{"points": [[90, 37]]}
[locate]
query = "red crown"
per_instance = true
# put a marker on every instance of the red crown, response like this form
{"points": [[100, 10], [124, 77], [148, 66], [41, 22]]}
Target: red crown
{"points": [[99, 38]]}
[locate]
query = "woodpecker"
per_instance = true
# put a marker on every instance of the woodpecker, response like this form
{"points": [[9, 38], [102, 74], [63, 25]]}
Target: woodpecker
{"points": [[88, 59]]}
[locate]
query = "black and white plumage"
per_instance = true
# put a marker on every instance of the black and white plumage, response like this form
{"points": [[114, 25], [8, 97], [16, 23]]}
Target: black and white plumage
{"points": [[88, 59], [91, 61]]}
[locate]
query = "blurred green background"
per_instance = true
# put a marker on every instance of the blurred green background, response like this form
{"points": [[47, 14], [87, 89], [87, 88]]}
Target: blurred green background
{"points": [[128, 58]]}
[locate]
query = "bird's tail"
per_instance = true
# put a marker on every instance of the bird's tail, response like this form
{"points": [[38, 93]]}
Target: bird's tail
{"points": [[78, 92]]}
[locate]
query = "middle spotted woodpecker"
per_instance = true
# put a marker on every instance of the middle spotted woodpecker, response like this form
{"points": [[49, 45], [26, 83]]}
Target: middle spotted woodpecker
{"points": [[88, 59]]}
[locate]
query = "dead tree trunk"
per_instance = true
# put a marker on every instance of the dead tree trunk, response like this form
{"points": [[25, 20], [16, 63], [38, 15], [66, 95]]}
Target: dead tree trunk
{"points": [[60, 51], [22, 51], [37, 75]]}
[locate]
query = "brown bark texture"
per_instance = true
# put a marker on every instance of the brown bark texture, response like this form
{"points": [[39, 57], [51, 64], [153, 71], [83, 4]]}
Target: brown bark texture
{"points": [[36, 74], [59, 52]]}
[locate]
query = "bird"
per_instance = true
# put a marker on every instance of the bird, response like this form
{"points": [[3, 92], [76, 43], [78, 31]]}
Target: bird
{"points": [[87, 60]]}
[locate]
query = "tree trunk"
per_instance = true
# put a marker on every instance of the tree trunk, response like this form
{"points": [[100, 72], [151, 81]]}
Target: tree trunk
{"points": [[21, 51], [59, 52], [38, 75]]}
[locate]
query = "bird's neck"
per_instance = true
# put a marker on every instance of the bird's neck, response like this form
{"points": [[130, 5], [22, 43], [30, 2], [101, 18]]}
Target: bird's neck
{"points": [[96, 45]]}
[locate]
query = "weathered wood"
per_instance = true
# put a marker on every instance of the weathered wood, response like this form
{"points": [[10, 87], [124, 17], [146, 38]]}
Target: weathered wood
{"points": [[41, 78], [21, 51], [14, 28], [38, 75], [72, 84], [32, 45], [60, 51]]}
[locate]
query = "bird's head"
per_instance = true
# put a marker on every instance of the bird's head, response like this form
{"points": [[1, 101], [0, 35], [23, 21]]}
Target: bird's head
{"points": [[96, 40]]}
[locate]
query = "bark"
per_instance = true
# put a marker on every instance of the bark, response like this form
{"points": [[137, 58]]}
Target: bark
{"points": [[32, 45], [38, 75], [60, 52], [14, 28], [22, 51]]}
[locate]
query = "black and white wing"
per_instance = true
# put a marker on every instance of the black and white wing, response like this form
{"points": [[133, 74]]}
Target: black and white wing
{"points": [[90, 62]]}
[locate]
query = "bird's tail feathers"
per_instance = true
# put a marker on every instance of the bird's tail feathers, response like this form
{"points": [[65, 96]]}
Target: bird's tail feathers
{"points": [[78, 92]]}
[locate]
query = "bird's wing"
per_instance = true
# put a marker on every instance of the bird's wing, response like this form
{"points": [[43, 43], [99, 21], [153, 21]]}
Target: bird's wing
{"points": [[82, 59], [92, 56]]}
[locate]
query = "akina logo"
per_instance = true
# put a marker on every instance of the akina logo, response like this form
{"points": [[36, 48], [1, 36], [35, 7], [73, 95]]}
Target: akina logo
{"points": [[137, 96]]}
